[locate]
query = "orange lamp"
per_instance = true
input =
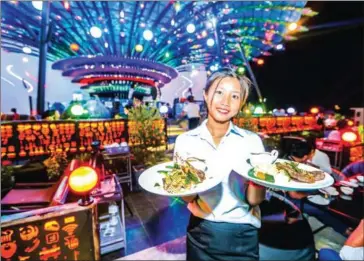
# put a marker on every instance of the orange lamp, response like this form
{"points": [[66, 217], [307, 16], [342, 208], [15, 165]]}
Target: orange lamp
{"points": [[350, 123], [82, 181], [314, 110], [349, 136]]}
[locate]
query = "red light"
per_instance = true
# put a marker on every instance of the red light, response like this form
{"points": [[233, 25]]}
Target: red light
{"points": [[349, 136]]}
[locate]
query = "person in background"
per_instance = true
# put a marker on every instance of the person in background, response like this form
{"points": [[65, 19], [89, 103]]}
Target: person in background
{"points": [[330, 122], [170, 111], [338, 131], [282, 220], [3, 116], [353, 248], [192, 110], [354, 168], [16, 116], [137, 100], [306, 152], [320, 120], [51, 115], [126, 111]]}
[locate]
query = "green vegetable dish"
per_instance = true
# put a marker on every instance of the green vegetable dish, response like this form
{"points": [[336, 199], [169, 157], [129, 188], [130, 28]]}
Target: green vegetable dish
{"points": [[181, 177]]}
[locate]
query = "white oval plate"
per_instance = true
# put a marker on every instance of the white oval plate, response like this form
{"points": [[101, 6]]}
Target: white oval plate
{"points": [[330, 190], [349, 184], [294, 185], [150, 177], [346, 197], [353, 180], [360, 178], [319, 200], [347, 190]]}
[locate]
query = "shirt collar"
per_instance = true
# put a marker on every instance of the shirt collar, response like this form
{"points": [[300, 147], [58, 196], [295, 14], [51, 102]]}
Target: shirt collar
{"points": [[204, 133]]}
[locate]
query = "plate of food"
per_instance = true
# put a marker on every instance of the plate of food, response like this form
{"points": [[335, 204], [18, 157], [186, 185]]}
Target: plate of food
{"points": [[179, 178], [289, 175]]}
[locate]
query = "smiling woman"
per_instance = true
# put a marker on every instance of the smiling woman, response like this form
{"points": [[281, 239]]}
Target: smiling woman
{"points": [[224, 96], [224, 219]]}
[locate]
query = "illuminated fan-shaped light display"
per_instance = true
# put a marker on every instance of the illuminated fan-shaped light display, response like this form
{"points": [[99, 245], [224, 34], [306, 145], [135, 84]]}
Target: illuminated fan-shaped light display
{"points": [[150, 29], [103, 74]]}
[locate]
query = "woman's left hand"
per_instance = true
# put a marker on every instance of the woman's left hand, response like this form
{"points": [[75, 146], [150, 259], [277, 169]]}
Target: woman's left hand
{"points": [[297, 195], [255, 194]]}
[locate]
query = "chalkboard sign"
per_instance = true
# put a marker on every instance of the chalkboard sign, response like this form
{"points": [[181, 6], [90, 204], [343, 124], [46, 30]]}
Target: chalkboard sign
{"points": [[61, 235]]}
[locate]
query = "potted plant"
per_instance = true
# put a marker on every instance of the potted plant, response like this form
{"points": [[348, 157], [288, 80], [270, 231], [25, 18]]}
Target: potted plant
{"points": [[55, 165], [147, 138], [7, 178]]}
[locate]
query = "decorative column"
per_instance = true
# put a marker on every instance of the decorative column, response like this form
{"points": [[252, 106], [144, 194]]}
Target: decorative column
{"points": [[43, 45]]}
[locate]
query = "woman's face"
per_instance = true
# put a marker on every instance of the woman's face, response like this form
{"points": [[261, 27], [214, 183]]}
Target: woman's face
{"points": [[225, 100]]}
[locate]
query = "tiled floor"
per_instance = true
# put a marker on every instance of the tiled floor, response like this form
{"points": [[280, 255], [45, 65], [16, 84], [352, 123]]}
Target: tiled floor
{"points": [[155, 220]]}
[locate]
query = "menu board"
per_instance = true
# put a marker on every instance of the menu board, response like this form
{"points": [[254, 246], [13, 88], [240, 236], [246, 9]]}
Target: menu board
{"points": [[65, 235]]}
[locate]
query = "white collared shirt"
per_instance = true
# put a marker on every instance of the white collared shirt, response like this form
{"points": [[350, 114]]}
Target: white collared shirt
{"points": [[225, 202]]}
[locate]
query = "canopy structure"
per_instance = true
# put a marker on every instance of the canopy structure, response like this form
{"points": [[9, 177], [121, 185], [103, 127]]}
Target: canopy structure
{"points": [[169, 32], [112, 74]]}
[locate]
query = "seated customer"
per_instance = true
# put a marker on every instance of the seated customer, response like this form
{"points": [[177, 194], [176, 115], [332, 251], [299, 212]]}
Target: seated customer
{"points": [[285, 234], [354, 168], [353, 248], [303, 150]]}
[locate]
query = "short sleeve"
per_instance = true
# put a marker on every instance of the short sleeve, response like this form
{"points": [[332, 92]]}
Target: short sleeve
{"points": [[326, 163], [179, 147], [351, 253], [257, 144]]}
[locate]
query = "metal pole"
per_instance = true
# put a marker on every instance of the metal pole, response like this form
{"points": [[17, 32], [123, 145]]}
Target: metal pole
{"points": [[255, 83], [42, 57]]}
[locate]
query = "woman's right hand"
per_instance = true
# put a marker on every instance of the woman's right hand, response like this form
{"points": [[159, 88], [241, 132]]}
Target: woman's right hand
{"points": [[188, 199]]}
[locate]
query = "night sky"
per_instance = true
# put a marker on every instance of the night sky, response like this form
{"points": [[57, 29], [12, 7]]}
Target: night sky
{"points": [[323, 67]]}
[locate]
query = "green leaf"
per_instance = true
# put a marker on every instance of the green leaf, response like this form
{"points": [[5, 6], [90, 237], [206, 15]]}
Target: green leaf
{"points": [[164, 172], [192, 177]]}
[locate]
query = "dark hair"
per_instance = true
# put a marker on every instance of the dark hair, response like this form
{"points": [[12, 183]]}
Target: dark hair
{"points": [[303, 146], [341, 124], [137, 96], [228, 73], [190, 98], [128, 106], [13, 110], [48, 113]]}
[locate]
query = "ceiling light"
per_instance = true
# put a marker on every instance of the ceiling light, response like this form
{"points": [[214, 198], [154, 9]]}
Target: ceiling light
{"points": [[38, 5], [191, 28], [27, 50], [95, 32], [148, 35], [210, 42]]}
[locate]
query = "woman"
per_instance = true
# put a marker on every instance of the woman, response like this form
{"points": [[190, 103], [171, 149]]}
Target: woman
{"points": [[225, 219]]}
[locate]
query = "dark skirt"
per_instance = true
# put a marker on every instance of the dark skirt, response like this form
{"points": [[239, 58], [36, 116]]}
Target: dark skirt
{"points": [[207, 240]]}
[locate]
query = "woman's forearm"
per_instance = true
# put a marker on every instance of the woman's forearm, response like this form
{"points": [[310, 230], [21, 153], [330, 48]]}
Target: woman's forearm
{"points": [[255, 194]]}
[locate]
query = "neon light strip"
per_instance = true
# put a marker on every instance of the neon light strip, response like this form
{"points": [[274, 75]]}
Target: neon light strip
{"points": [[6, 80], [8, 69]]}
